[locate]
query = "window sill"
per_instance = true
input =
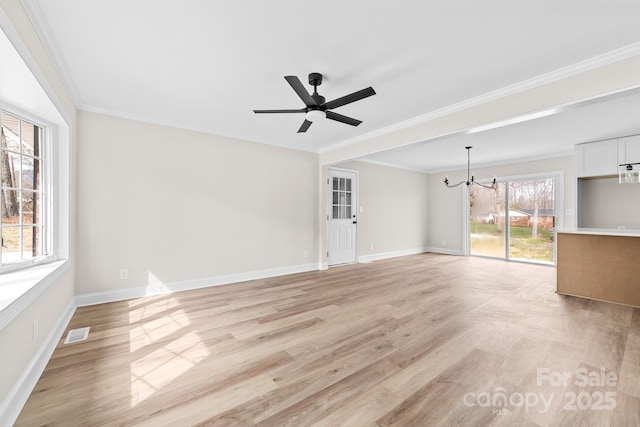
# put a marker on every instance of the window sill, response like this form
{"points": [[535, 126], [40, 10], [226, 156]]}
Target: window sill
{"points": [[18, 289]]}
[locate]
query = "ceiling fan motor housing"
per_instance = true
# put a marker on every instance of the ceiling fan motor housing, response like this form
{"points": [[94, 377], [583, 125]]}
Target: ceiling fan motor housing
{"points": [[315, 79]]}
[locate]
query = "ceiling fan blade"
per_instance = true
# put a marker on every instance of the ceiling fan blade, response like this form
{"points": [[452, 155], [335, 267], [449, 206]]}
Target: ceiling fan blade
{"points": [[297, 85], [302, 110], [347, 99], [343, 119], [305, 126]]}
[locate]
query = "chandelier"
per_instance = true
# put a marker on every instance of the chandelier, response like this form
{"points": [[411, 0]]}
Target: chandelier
{"points": [[470, 179]]}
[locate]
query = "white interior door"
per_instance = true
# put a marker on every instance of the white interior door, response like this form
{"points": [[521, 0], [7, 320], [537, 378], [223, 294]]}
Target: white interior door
{"points": [[342, 216]]}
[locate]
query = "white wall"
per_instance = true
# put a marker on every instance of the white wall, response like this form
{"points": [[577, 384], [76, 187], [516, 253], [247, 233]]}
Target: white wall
{"points": [[447, 212], [16, 339], [172, 205], [395, 209], [604, 203]]}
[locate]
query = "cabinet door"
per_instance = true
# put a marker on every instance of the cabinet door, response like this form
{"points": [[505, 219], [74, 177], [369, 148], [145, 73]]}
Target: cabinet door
{"points": [[597, 158], [631, 146]]}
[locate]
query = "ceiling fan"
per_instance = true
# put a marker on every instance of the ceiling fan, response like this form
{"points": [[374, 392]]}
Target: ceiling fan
{"points": [[316, 108]]}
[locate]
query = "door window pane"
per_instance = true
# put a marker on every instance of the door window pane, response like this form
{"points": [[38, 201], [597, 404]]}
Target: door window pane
{"points": [[342, 198], [531, 220], [487, 220]]}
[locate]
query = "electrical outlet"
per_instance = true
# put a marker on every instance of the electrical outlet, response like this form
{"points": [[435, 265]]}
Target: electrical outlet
{"points": [[370, 246], [35, 328], [444, 243], [305, 254], [124, 274]]}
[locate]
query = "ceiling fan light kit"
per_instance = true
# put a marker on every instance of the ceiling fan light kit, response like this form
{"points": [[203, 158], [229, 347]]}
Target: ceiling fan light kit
{"points": [[315, 115], [316, 107]]}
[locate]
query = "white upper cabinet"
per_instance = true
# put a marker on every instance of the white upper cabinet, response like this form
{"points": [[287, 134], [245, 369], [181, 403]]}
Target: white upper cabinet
{"points": [[629, 149], [598, 158]]}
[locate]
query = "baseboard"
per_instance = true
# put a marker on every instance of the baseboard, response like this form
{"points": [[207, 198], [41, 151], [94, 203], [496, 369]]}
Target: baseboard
{"points": [[167, 288], [14, 402], [445, 251], [392, 254]]}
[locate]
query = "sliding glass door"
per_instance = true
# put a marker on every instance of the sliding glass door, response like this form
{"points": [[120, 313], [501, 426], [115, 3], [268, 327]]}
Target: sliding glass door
{"points": [[486, 221], [532, 220], [516, 220]]}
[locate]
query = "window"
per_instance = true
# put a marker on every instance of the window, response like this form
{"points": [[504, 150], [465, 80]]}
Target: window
{"points": [[23, 196], [341, 198], [516, 220]]}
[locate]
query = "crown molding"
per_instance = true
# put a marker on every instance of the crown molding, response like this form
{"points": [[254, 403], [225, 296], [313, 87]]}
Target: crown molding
{"points": [[543, 79], [41, 27], [178, 125], [388, 165], [24, 52], [546, 156]]}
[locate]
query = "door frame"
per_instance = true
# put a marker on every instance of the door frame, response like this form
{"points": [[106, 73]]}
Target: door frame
{"points": [[558, 194], [328, 205]]}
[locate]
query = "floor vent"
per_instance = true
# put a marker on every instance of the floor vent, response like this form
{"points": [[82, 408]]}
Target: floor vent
{"points": [[76, 335]]}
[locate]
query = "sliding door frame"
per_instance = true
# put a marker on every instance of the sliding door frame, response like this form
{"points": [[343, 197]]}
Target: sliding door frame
{"points": [[558, 203]]}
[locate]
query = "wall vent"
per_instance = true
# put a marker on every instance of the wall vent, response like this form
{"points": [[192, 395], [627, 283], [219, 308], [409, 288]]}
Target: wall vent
{"points": [[76, 335]]}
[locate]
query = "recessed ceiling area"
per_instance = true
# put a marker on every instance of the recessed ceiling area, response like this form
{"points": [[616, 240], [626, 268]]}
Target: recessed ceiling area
{"points": [[548, 136], [206, 65]]}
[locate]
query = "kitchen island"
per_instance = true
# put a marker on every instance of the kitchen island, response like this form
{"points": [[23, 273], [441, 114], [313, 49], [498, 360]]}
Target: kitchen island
{"points": [[600, 264]]}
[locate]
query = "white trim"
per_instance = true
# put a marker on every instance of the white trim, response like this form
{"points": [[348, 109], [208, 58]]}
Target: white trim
{"points": [[553, 76], [355, 201], [41, 27], [32, 65], [555, 155], [558, 194], [15, 400], [185, 285], [191, 128], [466, 234], [46, 191], [444, 251], [388, 165], [392, 254]]}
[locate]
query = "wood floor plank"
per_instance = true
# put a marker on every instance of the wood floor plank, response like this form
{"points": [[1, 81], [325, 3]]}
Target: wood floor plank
{"points": [[396, 342]]}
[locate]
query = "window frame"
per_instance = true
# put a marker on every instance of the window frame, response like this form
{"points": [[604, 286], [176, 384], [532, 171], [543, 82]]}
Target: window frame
{"points": [[46, 192]]}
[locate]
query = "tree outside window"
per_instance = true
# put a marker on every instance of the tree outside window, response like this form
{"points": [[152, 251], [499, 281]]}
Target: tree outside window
{"points": [[21, 191]]}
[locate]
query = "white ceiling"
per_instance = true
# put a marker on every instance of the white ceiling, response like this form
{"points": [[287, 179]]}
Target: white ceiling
{"points": [[206, 65], [545, 137]]}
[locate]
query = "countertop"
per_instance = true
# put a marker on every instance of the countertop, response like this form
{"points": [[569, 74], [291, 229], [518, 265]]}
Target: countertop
{"points": [[603, 232]]}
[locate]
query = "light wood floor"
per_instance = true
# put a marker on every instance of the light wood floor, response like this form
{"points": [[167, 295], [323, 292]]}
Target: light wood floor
{"points": [[412, 341]]}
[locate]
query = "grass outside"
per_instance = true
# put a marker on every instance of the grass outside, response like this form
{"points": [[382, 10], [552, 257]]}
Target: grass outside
{"points": [[487, 239]]}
